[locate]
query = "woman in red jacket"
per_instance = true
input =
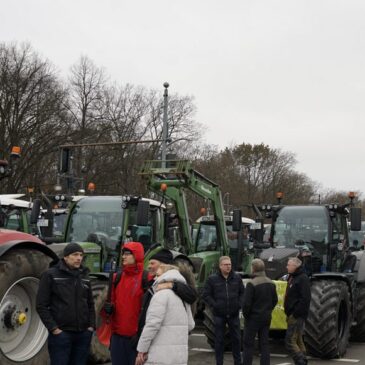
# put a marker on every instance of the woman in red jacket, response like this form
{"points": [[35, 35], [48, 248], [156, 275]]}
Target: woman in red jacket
{"points": [[127, 300]]}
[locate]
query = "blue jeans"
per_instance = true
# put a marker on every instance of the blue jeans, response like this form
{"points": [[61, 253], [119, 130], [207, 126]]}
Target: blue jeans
{"points": [[69, 348], [122, 350], [235, 335]]}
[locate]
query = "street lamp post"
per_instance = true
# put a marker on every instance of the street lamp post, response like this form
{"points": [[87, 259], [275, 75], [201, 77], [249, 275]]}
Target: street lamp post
{"points": [[165, 129]]}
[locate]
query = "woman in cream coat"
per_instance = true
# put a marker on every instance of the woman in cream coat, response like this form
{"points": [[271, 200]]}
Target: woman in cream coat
{"points": [[164, 339]]}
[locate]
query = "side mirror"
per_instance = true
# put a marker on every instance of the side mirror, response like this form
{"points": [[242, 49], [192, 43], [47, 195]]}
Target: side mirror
{"points": [[237, 220], [143, 209], [355, 218], [35, 211]]}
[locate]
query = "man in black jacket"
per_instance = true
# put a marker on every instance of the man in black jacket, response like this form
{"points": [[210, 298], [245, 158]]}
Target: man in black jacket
{"points": [[258, 302], [223, 292], [296, 305], [66, 307]]}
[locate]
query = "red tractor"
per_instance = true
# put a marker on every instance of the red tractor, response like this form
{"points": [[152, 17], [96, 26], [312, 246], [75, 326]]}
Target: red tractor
{"points": [[23, 337]]}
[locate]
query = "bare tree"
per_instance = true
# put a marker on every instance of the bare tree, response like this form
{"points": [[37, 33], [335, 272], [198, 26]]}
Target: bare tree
{"points": [[31, 114]]}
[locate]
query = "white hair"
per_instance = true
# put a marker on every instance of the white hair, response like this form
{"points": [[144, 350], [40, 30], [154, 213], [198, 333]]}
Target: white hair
{"points": [[297, 262]]}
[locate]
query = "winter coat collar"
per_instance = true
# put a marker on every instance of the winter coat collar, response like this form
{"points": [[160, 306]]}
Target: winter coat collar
{"points": [[259, 274], [230, 275], [170, 275]]}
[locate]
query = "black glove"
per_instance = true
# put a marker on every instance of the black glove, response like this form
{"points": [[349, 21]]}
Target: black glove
{"points": [[109, 308]]}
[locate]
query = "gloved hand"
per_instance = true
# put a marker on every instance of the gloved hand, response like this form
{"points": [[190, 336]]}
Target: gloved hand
{"points": [[109, 308]]}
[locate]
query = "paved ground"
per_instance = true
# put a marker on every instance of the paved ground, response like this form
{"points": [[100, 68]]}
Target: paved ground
{"points": [[201, 353]]}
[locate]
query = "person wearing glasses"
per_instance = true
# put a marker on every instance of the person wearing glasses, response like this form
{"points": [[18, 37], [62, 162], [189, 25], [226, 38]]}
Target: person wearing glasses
{"points": [[126, 303], [223, 293]]}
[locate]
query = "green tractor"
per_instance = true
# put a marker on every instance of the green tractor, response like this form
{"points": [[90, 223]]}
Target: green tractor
{"points": [[215, 235], [318, 235]]}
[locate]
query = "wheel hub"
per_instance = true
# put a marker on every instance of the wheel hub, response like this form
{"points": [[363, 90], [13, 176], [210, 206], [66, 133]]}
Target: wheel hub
{"points": [[13, 317]]}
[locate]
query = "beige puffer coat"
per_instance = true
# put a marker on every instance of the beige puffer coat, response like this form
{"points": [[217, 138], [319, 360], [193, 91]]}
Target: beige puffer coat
{"points": [[168, 323]]}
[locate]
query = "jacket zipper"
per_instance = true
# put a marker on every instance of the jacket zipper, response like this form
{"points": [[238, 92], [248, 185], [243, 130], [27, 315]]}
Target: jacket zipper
{"points": [[227, 297], [76, 305]]}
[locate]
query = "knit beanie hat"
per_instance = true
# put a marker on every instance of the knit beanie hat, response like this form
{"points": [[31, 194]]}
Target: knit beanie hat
{"points": [[72, 248], [164, 256]]}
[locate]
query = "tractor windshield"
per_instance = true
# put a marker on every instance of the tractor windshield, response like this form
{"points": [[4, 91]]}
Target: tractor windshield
{"points": [[100, 220], [301, 225], [206, 239], [96, 218]]}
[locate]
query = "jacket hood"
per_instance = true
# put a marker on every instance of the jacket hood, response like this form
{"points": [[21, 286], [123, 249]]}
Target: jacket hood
{"points": [[171, 275], [137, 250]]}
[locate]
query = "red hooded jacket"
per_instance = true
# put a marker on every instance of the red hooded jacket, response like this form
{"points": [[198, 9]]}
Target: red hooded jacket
{"points": [[127, 295]]}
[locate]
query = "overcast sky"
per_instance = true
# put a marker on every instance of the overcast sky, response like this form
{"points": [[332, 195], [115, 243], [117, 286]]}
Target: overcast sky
{"points": [[288, 73]]}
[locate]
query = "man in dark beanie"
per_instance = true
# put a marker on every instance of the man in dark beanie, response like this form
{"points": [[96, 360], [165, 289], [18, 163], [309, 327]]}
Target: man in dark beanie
{"points": [[66, 307], [186, 292], [71, 248]]}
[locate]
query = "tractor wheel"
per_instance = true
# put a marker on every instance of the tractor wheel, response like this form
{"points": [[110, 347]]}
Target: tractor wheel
{"points": [[327, 329], [99, 353], [208, 324], [23, 337], [358, 331]]}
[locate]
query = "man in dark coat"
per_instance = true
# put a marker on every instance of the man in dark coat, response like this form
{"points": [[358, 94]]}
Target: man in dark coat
{"points": [[259, 300], [66, 307], [223, 292], [296, 305]]}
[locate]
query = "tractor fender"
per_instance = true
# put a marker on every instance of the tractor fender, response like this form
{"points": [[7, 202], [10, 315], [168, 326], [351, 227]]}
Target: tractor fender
{"points": [[349, 279], [33, 244], [102, 276]]}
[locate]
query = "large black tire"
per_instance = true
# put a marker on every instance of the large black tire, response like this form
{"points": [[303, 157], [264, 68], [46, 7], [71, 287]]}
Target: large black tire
{"points": [[21, 344], [358, 331], [99, 353], [327, 329], [208, 324]]}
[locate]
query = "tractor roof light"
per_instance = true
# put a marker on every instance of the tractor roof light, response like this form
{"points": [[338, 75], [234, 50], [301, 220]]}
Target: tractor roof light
{"points": [[15, 152], [351, 195], [91, 187]]}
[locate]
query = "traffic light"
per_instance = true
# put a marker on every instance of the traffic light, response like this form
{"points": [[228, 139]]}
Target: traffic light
{"points": [[65, 160]]}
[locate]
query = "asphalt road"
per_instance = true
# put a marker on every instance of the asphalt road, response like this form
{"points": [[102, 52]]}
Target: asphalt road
{"points": [[201, 353]]}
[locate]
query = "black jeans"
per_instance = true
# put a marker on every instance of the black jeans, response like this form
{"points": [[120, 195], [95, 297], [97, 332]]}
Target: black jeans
{"points": [[294, 340], [122, 350], [253, 327], [234, 332], [69, 348]]}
